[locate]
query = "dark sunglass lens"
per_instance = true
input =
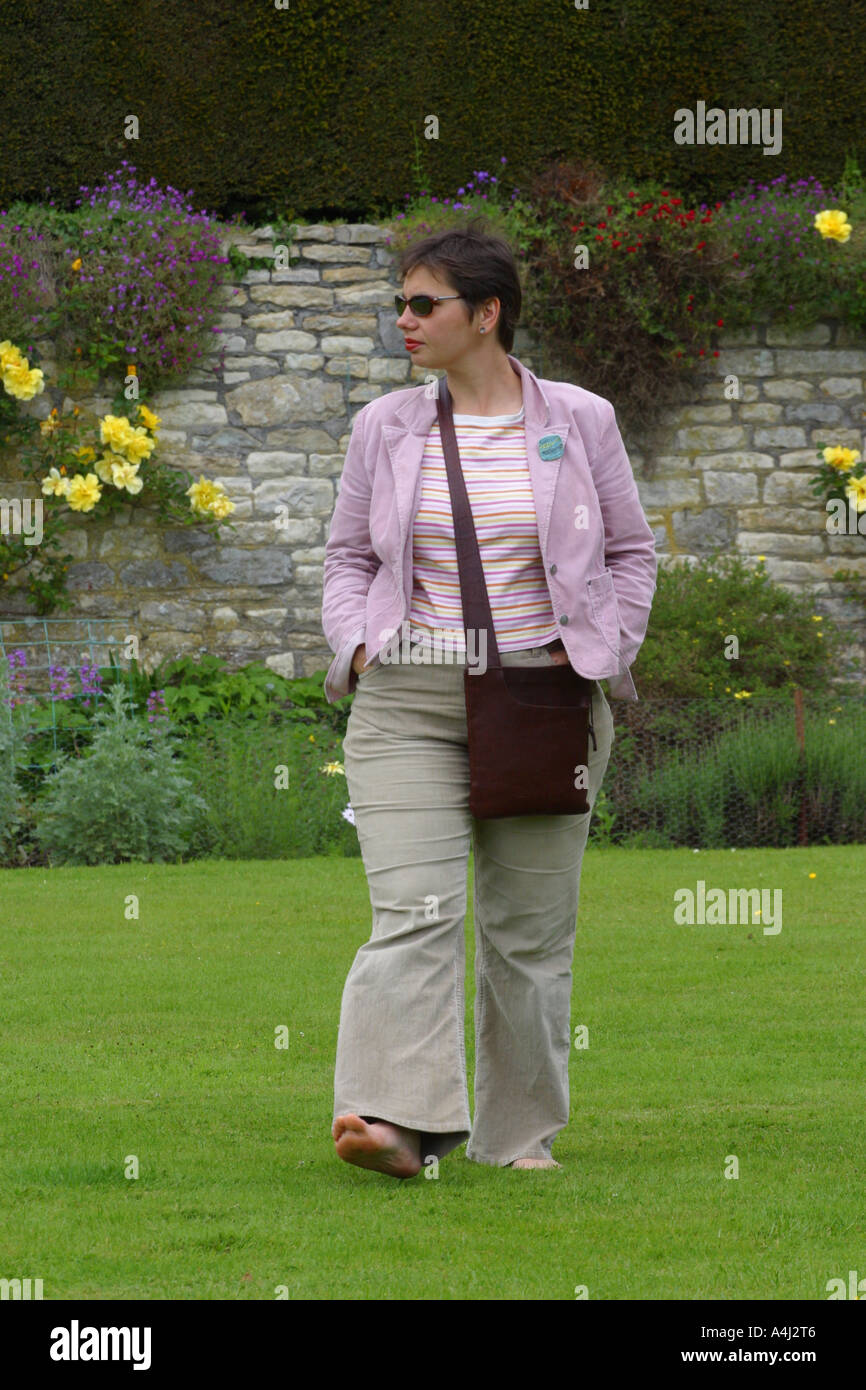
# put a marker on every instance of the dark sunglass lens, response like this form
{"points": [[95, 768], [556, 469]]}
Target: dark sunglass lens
{"points": [[422, 305]]}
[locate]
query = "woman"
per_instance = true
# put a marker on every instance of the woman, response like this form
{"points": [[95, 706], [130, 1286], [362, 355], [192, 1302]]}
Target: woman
{"points": [[570, 566]]}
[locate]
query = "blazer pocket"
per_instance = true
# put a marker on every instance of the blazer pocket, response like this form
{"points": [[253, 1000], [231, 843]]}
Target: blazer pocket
{"points": [[604, 608]]}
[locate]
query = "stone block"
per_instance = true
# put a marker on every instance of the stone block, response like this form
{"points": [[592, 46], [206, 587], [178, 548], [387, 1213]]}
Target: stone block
{"points": [[703, 414], [360, 255], [192, 413], [290, 340], [781, 543], [347, 366], [293, 296], [842, 388], [257, 567], [802, 520], [701, 531], [706, 438], [785, 389], [342, 345], [745, 362], [354, 232], [303, 496], [275, 463], [788, 488], [738, 460], [780, 437], [283, 400], [385, 369], [813, 335], [378, 292], [763, 413], [828, 361], [273, 320], [826, 413], [303, 361], [669, 492], [800, 458], [731, 488], [337, 275], [364, 324], [313, 231]]}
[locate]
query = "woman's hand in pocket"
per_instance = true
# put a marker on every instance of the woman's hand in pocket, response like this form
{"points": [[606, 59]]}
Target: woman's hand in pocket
{"points": [[359, 660]]}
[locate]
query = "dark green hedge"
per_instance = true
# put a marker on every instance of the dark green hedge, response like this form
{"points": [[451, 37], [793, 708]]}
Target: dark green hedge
{"points": [[315, 106]]}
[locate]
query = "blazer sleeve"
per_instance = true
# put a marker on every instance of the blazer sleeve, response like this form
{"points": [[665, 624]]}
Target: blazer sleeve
{"points": [[629, 544], [350, 563]]}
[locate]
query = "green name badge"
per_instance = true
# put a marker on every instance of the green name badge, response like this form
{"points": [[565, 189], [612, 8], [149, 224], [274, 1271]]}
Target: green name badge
{"points": [[551, 447]]}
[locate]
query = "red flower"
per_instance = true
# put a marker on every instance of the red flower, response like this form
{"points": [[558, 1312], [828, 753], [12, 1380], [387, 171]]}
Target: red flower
{"points": [[715, 354], [720, 323], [700, 245], [632, 195], [602, 224], [615, 243]]}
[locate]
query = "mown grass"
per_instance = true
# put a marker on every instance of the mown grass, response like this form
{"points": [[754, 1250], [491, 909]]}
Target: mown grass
{"points": [[154, 1037]]}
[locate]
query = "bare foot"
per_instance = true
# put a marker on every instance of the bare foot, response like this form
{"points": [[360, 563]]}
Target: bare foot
{"points": [[535, 1163], [378, 1144]]}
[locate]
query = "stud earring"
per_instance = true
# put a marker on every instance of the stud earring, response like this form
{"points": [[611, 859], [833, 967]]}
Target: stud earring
{"points": [[481, 330]]}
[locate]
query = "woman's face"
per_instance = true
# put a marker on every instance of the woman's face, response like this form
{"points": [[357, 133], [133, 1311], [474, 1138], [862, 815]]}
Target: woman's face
{"points": [[444, 336]]}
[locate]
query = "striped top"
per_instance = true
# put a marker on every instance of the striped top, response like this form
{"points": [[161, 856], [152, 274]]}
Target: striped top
{"points": [[493, 458]]}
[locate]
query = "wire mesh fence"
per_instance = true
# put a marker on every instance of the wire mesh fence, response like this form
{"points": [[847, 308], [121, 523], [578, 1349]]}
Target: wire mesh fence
{"points": [[47, 663], [777, 771]]}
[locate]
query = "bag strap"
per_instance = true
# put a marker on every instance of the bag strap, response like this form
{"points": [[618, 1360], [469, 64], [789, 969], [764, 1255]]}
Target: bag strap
{"points": [[473, 588]]}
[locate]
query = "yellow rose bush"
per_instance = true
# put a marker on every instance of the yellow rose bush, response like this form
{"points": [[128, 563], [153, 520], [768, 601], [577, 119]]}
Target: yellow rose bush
{"points": [[116, 468], [841, 483]]}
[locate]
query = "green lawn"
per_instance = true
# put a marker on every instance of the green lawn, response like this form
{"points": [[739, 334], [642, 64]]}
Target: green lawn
{"points": [[155, 1038]]}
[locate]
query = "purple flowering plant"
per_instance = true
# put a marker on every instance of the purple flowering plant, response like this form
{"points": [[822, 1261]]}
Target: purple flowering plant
{"points": [[132, 275]]}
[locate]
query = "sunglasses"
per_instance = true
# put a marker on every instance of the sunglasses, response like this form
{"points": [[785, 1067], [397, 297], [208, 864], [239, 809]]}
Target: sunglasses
{"points": [[421, 304]]}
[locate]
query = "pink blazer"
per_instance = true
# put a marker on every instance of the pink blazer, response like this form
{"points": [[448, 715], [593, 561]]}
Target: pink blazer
{"points": [[598, 550]]}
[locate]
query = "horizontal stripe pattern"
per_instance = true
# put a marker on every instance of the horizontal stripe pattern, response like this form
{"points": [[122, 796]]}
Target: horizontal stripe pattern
{"points": [[493, 458]]}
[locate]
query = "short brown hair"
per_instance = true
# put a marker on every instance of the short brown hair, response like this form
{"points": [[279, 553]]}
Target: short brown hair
{"points": [[479, 264]]}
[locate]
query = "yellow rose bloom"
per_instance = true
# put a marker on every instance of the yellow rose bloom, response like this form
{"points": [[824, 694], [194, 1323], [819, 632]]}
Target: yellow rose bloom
{"points": [[84, 492], [201, 494], [85, 454], [222, 506], [23, 382], [138, 445], [54, 485], [115, 430], [104, 466], [833, 225], [840, 458], [10, 356], [125, 475], [151, 421], [855, 491]]}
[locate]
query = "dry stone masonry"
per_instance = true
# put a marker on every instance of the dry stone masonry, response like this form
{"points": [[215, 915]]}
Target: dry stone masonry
{"points": [[269, 415]]}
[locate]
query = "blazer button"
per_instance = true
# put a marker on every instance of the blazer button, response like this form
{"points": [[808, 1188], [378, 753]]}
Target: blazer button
{"points": [[553, 569], [564, 620]]}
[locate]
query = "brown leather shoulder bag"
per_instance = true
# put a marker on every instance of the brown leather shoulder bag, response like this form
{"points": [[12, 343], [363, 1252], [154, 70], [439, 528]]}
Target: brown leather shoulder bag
{"points": [[528, 727]]}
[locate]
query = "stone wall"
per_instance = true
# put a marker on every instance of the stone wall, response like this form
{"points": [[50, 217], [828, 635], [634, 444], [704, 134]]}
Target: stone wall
{"points": [[269, 415]]}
